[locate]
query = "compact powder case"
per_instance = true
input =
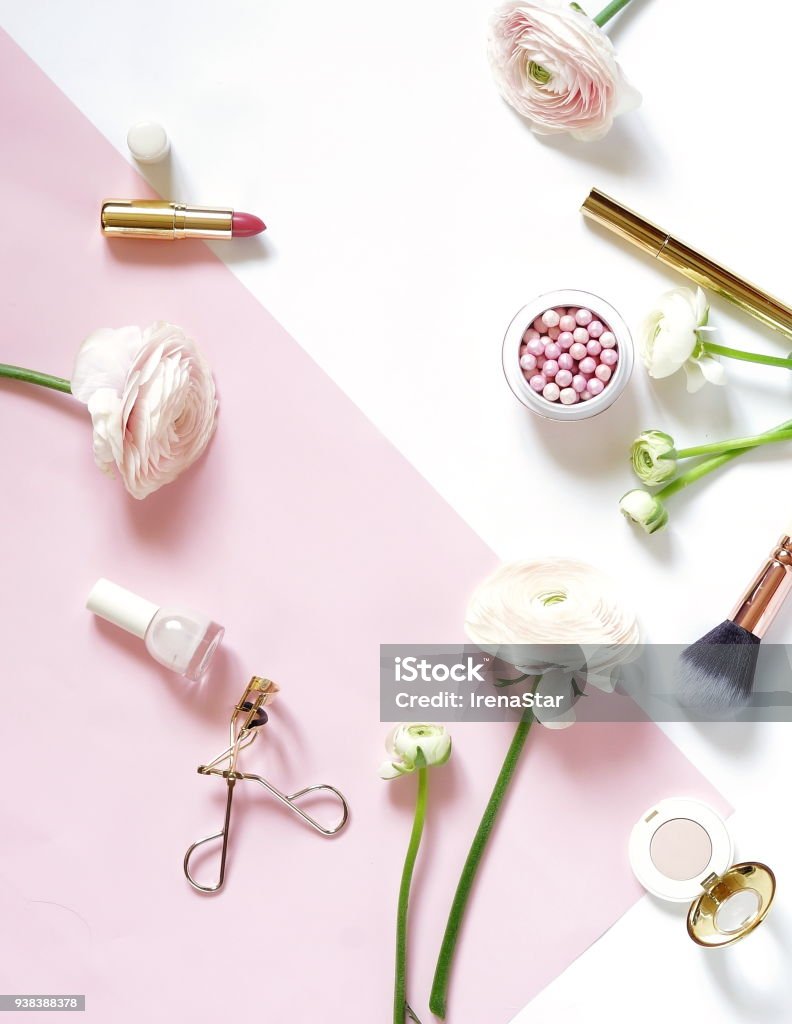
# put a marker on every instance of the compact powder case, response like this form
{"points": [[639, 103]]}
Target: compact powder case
{"points": [[681, 850]]}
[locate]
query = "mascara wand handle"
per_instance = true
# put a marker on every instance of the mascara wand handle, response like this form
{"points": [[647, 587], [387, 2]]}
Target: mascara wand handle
{"points": [[762, 601]]}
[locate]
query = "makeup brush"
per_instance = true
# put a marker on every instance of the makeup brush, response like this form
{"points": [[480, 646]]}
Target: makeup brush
{"points": [[718, 670]]}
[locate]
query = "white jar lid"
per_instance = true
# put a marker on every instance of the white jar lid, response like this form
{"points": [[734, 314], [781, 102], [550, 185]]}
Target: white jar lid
{"points": [[676, 845]]}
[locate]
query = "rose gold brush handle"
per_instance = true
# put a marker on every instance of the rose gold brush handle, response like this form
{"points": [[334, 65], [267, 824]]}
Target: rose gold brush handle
{"points": [[762, 600]]}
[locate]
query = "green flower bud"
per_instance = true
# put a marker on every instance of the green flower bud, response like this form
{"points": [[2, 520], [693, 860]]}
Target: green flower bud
{"points": [[415, 745], [653, 457], [644, 509]]}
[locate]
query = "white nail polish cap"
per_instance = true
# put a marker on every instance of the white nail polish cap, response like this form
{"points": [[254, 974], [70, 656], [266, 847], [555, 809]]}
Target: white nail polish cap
{"points": [[121, 607], [148, 142]]}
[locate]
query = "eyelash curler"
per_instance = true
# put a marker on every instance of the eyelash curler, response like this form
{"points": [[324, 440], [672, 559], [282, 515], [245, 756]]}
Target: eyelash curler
{"points": [[248, 716]]}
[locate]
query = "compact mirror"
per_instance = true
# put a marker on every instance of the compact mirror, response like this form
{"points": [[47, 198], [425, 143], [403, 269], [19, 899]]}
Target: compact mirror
{"points": [[681, 850]]}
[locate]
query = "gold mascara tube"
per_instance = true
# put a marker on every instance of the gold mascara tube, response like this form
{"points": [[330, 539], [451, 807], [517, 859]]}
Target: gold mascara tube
{"points": [[694, 265]]}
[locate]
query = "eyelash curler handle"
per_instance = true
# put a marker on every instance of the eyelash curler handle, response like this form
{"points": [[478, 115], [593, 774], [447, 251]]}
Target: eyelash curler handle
{"points": [[222, 834]]}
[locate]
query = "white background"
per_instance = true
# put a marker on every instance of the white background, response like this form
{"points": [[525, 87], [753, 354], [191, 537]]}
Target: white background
{"points": [[410, 214]]}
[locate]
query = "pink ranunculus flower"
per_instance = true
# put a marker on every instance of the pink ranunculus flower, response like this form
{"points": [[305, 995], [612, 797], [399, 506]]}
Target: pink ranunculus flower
{"points": [[557, 68], [152, 401]]}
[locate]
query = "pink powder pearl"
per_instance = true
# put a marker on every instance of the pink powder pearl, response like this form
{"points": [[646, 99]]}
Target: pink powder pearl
{"points": [[550, 368], [595, 329], [580, 334], [552, 351], [595, 386], [551, 392], [567, 323], [553, 332], [587, 365], [566, 362], [538, 382], [540, 361], [539, 326], [585, 396], [583, 317], [536, 346], [528, 362], [568, 396], [530, 334], [609, 357], [607, 339], [563, 379], [603, 373], [593, 348], [550, 318], [565, 339], [561, 310], [579, 383], [577, 351]]}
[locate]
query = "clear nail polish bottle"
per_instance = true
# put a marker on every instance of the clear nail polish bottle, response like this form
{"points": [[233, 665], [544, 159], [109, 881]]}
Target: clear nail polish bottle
{"points": [[178, 638]]}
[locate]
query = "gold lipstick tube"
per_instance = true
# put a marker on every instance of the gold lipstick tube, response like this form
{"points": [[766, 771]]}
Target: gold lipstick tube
{"points": [[760, 603], [156, 218], [694, 265]]}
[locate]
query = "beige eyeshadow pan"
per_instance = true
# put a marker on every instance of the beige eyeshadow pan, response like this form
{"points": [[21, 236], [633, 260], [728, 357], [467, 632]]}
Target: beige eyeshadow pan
{"points": [[681, 849]]}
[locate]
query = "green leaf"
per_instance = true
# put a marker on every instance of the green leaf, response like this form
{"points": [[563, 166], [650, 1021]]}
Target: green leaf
{"points": [[510, 682]]}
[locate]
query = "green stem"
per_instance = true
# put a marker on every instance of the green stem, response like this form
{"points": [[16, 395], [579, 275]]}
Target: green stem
{"points": [[782, 432], [696, 473], [746, 357], [45, 380], [400, 987], [736, 443], [438, 997], [609, 12]]}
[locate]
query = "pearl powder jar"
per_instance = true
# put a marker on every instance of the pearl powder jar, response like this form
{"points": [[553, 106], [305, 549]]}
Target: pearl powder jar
{"points": [[609, 324]]}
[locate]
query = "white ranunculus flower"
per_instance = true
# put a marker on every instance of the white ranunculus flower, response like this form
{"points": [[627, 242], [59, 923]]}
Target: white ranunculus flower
{"points": [[644, 509], [670, 339], [559, 618], [405, 741], [152, 401], [557, 68], [558, 683]]}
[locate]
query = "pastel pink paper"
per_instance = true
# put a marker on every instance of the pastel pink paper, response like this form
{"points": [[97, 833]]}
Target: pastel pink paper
{"points": [[312, 540]]}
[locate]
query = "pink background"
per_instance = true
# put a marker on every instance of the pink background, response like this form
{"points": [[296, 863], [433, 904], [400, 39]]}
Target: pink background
{"points": [[307, 534]]}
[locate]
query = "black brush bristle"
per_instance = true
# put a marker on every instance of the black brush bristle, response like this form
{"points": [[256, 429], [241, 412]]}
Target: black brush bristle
{"points": [[717, 671]]}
